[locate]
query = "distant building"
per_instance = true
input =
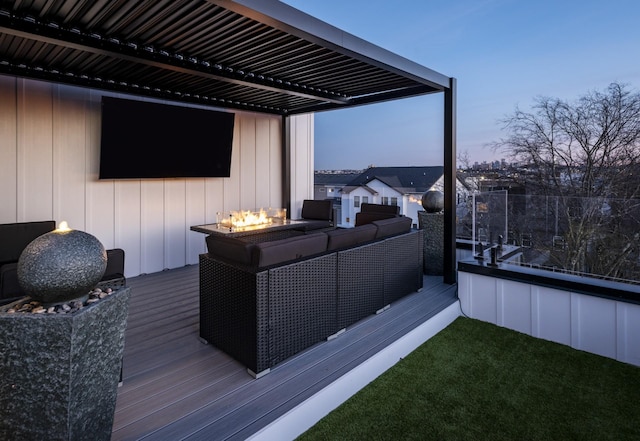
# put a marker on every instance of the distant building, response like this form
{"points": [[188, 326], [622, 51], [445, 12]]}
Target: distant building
{"points": [[402, 186], [328, 184]]}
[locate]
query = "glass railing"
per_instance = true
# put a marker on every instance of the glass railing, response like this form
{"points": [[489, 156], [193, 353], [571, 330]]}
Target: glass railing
{"points": [[596, 237]]}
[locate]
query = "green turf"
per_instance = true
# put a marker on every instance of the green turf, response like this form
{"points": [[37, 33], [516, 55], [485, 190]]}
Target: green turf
{"points": [[478, 381]]}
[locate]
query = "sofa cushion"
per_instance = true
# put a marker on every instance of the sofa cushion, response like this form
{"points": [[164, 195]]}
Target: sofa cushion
{"points": [[278, 251], [115, 265], [392, 226], [228, 248], [314, 224], [9, 286], [316, 209], [364, 218], [366, 207], [347, 237], [15, 237]]}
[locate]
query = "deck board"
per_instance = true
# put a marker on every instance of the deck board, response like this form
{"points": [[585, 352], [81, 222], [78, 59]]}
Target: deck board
{"points": [[177, 387]]}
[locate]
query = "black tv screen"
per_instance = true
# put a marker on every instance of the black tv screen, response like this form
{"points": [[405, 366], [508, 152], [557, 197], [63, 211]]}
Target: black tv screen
{"points": [[143, 139]]}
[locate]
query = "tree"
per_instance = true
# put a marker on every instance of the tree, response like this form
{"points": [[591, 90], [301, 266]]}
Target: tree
{"points": [[586, 155]]}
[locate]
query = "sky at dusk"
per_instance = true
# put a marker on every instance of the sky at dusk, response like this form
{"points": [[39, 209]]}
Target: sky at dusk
{"points": [[503, 53]]}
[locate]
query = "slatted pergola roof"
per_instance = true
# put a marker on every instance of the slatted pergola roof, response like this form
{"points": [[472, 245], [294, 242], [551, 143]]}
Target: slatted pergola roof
{"points": [[258, 55]]}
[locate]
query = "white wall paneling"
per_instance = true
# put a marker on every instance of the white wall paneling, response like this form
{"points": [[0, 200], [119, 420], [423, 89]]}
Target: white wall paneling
{"points": [[152, 226], [484, 303], [248, 164], [49, 162], [175, 223], [214, 199], [514, 306], [128, 224], [195, 210], [628, 342], [231, 186], [262, 137], [593, 325], [276, 162], [301, 162], [69, 163], [549, 313], [100, 198], [35, 151], [601, 326], [8, 150]]}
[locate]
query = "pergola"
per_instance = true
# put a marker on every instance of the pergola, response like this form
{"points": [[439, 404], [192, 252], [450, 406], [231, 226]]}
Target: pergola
{"points": [[253, 55]]}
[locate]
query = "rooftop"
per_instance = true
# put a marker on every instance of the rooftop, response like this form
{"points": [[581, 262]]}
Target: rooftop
{"points": [[403, 179]]}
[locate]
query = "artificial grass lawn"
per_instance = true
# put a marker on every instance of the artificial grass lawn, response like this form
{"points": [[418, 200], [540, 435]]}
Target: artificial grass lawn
{"points": [[478, 381]]}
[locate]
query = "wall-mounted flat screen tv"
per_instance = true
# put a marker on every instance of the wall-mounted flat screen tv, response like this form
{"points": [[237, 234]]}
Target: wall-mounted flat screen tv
{"points": [[142, 139]]}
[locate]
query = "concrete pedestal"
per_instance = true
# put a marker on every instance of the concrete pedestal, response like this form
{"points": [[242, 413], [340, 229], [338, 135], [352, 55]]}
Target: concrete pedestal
{"points": [[59, 373], [433, 224]]}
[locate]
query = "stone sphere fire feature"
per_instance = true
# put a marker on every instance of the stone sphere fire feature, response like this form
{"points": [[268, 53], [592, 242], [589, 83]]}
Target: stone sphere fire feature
{"points": [[433, 201], [432, 221], [61, 364], [61, 265]]}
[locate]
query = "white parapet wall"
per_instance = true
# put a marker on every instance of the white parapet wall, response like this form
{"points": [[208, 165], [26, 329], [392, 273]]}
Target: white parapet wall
{"points": [[590, 323]]}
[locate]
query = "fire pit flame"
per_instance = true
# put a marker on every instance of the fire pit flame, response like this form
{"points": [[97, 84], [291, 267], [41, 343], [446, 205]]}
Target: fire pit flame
{"points": [[247, 218]]}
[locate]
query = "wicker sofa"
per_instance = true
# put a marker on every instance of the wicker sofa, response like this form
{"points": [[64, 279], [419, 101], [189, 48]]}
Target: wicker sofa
{"points": [[373, 212], [262, 302]]}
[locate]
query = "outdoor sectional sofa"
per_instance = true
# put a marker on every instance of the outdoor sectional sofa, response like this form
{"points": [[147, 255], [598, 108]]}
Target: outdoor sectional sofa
{"points": [[262, 302]]}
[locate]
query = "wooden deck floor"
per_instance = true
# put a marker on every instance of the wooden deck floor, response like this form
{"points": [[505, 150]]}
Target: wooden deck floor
{"points": [[176, 387]]}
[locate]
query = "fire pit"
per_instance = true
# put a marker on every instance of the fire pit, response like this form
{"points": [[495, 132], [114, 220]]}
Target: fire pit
{"points": [[245, 219]]}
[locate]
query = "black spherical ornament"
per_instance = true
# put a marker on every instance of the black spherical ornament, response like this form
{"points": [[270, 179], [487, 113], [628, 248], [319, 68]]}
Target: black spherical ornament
{"points": [[61, 265], [433, 201]]}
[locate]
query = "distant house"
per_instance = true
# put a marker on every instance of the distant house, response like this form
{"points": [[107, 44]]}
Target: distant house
{"points": [[328, 185], [402, 186]]}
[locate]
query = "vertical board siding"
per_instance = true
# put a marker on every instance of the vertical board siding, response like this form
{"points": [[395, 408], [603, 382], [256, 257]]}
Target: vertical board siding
{"points": [[593, 325], [100, 196], [175, 223], [515, 304], [601, 326], [263, 176], [275, 163], [35, 151], [128, 224], [69, 164], [49, 163], [214, 199], [152, 225], [629, 333], [8, 151], [550, 310], [195, 214], [231, 186], [301, 162], [248, 164]]}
